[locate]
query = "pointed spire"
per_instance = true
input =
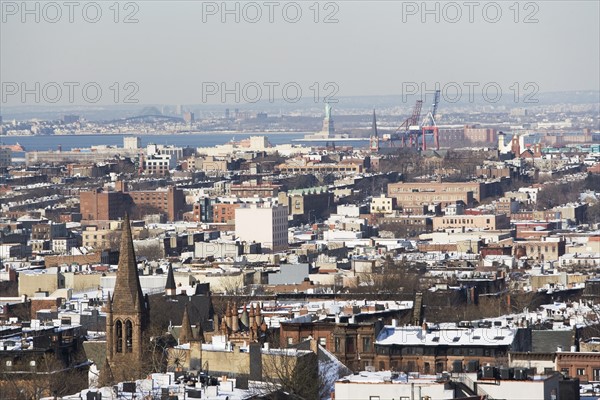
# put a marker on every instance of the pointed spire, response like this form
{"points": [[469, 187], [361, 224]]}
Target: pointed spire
{"points": [[254, 330], [374, 126], [235, 319], [109, 303], [185, 334], [244, 318], [170, 288], [228, 315], [128, 291], [200, 336], [258, 314]]}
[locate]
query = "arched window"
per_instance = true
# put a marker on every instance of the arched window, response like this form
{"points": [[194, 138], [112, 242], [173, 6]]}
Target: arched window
{"points": [[128, 336], [119, 336]]}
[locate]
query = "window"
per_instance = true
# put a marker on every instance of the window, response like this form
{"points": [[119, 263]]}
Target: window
{"points": [[580, 371], [565, 371], [366, 344], [350, 348], [323, 342], [596, 374], [128, 336], [337, 345], [290, 341], [119, 336]]}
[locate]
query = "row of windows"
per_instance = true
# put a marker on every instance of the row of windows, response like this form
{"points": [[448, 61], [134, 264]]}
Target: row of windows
{"points": [[461, 221], [431, 198], [546, 248], [583, 371], [454, 351], [88, 237], [367, 345], [409, 189]]}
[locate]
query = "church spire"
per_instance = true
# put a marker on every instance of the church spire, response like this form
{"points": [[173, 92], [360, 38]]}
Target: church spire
{"points": [[128, 292], [185, 334], [170, 288], [129, 317], [374, 141], [374, 126]]}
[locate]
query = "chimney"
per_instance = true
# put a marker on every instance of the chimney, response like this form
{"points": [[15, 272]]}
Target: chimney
{"points": [[235, 327]]}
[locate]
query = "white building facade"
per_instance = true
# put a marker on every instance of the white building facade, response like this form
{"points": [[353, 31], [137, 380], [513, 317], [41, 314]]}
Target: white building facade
{"points": [[264, 223]]}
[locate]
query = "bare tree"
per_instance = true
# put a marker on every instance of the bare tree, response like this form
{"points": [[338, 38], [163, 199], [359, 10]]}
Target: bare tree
{"points": [[152, 251], [48, 377], [286, 370]]}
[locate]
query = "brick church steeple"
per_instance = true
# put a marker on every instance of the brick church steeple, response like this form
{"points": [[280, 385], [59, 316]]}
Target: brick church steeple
{"points": [[126, 314]]}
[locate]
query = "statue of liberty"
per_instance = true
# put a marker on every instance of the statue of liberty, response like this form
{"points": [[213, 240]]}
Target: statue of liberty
{"points": [[328, 109]]}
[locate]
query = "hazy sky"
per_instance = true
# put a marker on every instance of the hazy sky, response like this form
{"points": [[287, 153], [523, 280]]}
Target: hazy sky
{"points": [[373, 49]]}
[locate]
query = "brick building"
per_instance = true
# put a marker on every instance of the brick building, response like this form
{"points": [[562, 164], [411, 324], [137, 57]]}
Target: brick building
{"points": [[445, 193], [484, 221], [582, 365], [480, 135], [42, 361], [224, 212], [350, 338], [252, 189], [433, 350], [307, 204], [170, 202], [549, 249], [101, 205]]}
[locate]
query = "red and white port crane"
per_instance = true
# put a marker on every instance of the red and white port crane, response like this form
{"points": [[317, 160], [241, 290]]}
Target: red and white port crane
{"points": [[429, 126], [409, 126]]}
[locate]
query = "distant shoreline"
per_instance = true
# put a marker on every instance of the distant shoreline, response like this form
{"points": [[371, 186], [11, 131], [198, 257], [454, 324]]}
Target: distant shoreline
{"points": [[250, 133]]}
